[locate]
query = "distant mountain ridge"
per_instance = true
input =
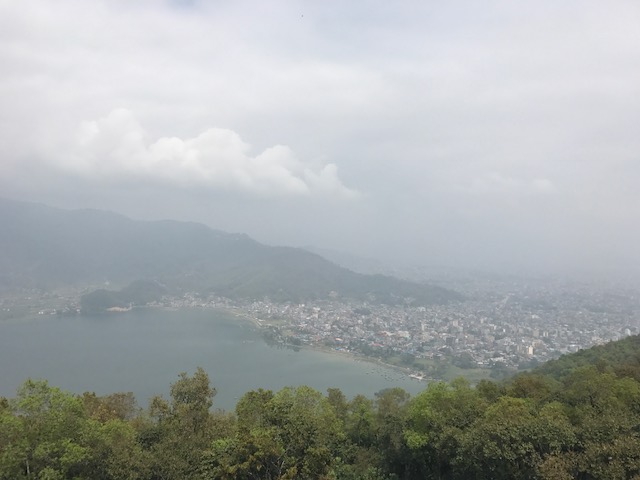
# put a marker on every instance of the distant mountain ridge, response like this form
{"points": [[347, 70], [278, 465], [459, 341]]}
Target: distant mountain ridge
{"points": [[43, 247]]}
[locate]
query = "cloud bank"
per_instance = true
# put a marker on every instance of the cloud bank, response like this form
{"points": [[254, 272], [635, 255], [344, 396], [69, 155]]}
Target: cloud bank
{"points": [[116, 147]]}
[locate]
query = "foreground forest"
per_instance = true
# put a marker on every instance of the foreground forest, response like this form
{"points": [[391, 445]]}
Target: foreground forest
{"points": [[574, 418]]}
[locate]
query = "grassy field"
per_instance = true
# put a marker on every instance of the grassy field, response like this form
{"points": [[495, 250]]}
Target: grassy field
{"points": [[443, 370], [474, 375]]}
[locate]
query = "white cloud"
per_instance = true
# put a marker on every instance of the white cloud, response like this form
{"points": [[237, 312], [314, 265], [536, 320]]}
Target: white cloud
{"points": [[117, 147]]}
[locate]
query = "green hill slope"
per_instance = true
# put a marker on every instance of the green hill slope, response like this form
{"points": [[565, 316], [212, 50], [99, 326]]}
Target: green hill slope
{"points": [[621, 357], [43, 247]]}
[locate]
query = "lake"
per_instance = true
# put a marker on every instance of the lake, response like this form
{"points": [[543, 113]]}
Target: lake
{"points": [[144, 350]]}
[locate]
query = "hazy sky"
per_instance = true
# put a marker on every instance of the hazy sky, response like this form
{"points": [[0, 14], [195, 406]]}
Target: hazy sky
{"points": [[494, 134]]}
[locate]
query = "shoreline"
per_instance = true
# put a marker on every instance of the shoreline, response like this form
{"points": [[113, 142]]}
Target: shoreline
{"points": [[328, 350], [260, 324]]}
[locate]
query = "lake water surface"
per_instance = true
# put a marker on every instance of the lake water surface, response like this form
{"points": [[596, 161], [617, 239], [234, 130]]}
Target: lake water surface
{"points": [[144, 350]]}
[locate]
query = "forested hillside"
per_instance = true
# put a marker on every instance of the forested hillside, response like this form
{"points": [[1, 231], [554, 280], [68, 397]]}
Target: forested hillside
{"points": [[43, 247], [581, 424], [621, 357]]}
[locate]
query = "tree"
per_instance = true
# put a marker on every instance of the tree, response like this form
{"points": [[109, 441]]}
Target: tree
{"points": [[182, 428], [291, 434], [121, 406], [500, 445], [391, 409], [435, 421], [533, 386], [339, 403], [46, 434]]}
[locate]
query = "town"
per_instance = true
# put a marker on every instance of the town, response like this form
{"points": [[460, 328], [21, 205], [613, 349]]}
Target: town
{"points": [[509, 326], [502, 326]]}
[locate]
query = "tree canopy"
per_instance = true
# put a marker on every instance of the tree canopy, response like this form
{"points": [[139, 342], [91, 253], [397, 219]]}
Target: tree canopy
{"points": [[579, 422]]}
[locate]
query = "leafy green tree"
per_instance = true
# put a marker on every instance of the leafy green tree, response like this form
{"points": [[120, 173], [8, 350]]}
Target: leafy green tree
{"points": [[117, 451], [46, 434], [499, 445], [436, 419], [616, 460], [120, 406], [182, 429], [291, 434], [533, 386], [13, 446], [606, 416], [359, 456], [390, 419], [360, 422], [489, 390], [339, 403]]}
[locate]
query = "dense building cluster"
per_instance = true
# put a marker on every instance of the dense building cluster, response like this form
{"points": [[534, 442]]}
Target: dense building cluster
{"points": [[507, 332], [513, 325], [508, 324]]}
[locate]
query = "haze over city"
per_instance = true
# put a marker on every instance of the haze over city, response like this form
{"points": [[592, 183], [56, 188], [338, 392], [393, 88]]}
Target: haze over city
{"points": [[493, 135]]}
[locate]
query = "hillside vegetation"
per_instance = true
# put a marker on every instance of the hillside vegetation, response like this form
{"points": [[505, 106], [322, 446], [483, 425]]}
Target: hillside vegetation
{"points": [[621, 358], [43, 247], [580, 422]]}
